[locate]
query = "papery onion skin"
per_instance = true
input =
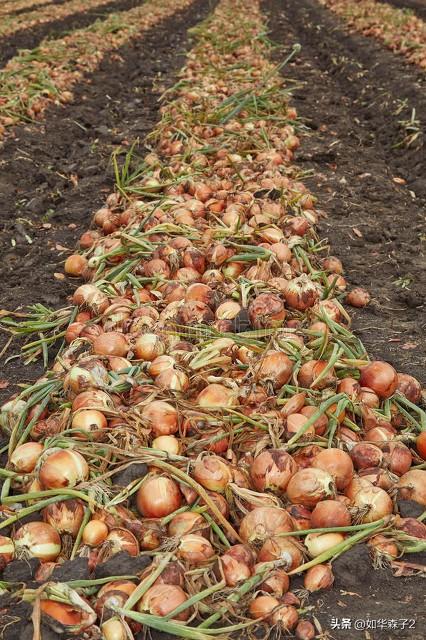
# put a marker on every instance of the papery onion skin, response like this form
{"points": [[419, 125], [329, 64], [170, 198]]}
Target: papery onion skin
{"points": [[276, 367], [305, 630], [237, 564], [65, 516], [38, 540], [410, 387], [264, 522], [310, 486], [195, 549], [24, 457], [318, 543], [272, 469], [286, 550], [337, 463], [262, 606], [412, 486], [421, 444], [95, 533], [63, 468], [212, 473], [162, 599], [64, 613], [374, 503], [330, 513], [318, 577], [158, 497], [381, 377]]}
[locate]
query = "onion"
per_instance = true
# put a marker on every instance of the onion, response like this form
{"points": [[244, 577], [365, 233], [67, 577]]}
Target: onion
{"points": [[65, 516], [272, 469], [301, 516], [310, 371], [25, 457], [275, 367], [7, 551], [285, 550], [295, 422], [187, 522], [412, 486], [333, 264], [330, 513], [310, 486], [262, 606], [63, 613], [161, 416], [172, 380], [305, 630], [337, 463], [93, 399], [112, 343], [397, 457], [381, 377], [384, 546], [119, 539], [293, 404], [237, 564], [277, 581], [318, 543], [212, 473], [301, 293], [89, 296], [421, 444], [95, 533], [173, 573], [90, 422], [169, 444], [320, 425], [63, 468], [413, 527], [285, 616], [365, 455], [114, 629], [216, 396], [264, 522], [318, 577], [373, 503], [194, 549], [358, 297], [148, 347], [162, 599], [266, 311], [160, 364], [158, 497], [37, 540], [409, 387]]}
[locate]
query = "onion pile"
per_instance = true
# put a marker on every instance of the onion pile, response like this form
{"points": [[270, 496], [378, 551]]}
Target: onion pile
{"points": [[211, 412]]}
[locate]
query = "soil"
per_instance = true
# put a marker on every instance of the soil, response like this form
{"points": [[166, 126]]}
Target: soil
{"points": [[51, 184], [346, 90], [34, 7], [418, 7], [30, 38], [337, 77]]}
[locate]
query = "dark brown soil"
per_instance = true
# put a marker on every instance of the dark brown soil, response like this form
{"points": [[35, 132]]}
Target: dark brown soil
{"points": [[31, 38], [34, 7], [418, 7], [57, 173], [353, 167], [347, 92]]}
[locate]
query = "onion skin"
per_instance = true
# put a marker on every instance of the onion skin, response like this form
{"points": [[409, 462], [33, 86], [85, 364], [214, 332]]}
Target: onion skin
{"points": [[375, 500], [397, 457], [276, 367], [310, 486], [285, 550], [262, 607], [158, 497], [318, 543], [162, 599], [212, 473], [237, 564], [338, 464], [24, 458], [409, 387], [412, 486], [358, 297], [381, 377], [272, 469], [421, 445], [263, 522], [63, 468], [330, 513], [195, 549], [38, 540], [318, 577], [305, 630]]}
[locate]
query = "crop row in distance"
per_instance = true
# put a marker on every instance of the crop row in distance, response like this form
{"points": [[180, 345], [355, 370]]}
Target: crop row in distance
{"points": [[399, 30]]}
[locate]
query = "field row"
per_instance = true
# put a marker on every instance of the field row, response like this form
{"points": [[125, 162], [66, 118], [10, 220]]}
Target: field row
{"points": [[212, 437]]}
